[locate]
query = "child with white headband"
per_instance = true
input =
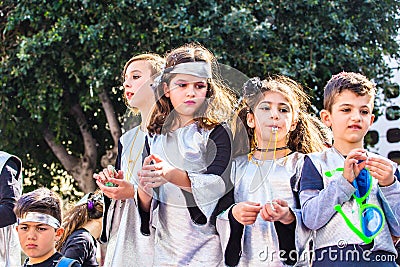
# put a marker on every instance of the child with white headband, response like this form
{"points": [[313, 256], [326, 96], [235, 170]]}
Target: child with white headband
{"points": [[39, 228], [191, 152]]}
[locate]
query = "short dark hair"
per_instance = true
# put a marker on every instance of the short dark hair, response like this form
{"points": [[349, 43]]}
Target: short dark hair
{"points": [[41, 200]]}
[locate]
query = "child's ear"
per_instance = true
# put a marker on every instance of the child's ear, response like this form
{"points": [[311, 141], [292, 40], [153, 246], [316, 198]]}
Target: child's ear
{"points": [[372, 119], [293, 126], [250, 120], [326, 117], [59, 233], [166, 89]]}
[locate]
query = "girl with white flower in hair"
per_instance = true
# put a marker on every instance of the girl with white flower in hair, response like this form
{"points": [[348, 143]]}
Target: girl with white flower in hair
{"points": [[264, 226]]}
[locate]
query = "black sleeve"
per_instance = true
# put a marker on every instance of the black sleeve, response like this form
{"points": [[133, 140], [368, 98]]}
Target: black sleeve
{"points": [[145, 215], [286, 238], [310, 177], [233, 250], [10, 191], [397, 174], [219, 146], [144, 220], [221, 165], [107, 201], [221, 137]]}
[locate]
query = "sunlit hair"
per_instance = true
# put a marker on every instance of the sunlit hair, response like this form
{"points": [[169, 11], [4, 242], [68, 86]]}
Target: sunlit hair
{"points": [[326, 132], [354, 82], [77, 216], [305, 138], [155, 64], [219, 99], [41, 200]]}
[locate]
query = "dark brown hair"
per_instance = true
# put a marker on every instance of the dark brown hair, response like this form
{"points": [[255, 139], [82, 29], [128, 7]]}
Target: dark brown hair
{"points": [[219, 99], [354, 82], [305, 138], [41, 200]]}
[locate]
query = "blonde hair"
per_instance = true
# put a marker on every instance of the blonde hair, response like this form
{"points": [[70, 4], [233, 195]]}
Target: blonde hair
{"points": [[155, 61]]}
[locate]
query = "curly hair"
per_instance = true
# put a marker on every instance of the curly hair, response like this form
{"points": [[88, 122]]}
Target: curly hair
{"points": [[219, 98], [79, 215], [155, 62], [305, 138]]}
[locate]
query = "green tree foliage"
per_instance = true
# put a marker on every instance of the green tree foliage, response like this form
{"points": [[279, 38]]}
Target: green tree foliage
{"points": [[61, 61]]}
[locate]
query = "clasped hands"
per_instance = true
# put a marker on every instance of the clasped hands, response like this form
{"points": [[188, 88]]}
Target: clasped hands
{"points": [[276, 210], [380, 168]]}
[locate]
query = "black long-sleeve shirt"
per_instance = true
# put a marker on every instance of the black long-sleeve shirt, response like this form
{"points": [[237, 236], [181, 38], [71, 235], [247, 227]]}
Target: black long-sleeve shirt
{"points": [[10, 191]]}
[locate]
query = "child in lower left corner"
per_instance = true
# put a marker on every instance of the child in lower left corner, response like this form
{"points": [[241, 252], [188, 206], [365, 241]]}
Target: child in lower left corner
{"points": [[39, 228]]}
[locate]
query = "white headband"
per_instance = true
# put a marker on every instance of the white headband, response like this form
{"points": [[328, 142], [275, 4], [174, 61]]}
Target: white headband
{"points": [[199, 69], [40, 218]]}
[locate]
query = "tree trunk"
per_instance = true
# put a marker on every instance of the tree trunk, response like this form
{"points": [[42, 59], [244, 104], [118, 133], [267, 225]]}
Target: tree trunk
{"points": [[76, 167], [82, 168], [111, 155]]}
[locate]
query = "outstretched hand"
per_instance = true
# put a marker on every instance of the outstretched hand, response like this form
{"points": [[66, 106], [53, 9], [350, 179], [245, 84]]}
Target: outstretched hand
{"points": [[108, 173], [122, 191]]}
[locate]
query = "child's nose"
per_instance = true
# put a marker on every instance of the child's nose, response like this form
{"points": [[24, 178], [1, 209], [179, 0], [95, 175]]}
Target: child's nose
{"points": [[31, 234], [190, 90], [274, 114], [127, 84], [356, 116]]}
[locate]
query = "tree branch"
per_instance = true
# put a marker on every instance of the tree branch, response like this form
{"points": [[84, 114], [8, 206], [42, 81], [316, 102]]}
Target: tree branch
{"points": [[112, 120], [67, 160], [115, 129], [90, 150]]}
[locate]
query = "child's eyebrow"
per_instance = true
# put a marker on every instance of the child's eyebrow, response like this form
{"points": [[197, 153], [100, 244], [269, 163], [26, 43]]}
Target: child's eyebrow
{"points": [[34, 225], [133, 71], [186, 81], [346, 104], [352, 105], [280, 104], [42, 224]]}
